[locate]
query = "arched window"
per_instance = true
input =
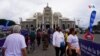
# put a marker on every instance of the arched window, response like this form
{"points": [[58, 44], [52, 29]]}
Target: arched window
{"points": [[26, 26], [68, 25], [63, 26], [31, 25]]}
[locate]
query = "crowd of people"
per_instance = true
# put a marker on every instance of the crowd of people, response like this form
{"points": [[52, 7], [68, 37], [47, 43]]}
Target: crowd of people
{"points": [[66, 42], [17, 43]]}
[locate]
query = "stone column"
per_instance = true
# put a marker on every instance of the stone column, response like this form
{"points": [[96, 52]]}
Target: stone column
{"points": [[43, 21], [58, 21], [36, 21], [52, 22], [74, 24]]}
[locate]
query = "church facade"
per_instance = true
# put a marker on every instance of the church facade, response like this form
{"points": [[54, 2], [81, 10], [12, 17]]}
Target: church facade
{"points": [[48, 19]]}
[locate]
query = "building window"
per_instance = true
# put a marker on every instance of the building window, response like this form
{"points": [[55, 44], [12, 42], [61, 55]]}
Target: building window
{"points": [[63, 26], [73, 25], [38, 25], [68, 26], [54, 26], [41, 26], [31, 25], [26, 26]]}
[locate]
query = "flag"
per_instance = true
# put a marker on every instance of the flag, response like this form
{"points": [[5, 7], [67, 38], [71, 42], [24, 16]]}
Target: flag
{"points": [[92, 17]]}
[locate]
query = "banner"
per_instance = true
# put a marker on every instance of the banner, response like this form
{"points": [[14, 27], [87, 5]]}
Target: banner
{"points": [[2, 42], [92, 17], [89, 48]]}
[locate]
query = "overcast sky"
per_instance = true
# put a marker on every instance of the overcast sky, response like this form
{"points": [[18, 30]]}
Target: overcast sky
{"points": [[78, 9]]}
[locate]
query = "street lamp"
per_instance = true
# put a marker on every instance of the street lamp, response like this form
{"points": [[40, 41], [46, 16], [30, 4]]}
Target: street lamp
{"points": [[78, 22]]}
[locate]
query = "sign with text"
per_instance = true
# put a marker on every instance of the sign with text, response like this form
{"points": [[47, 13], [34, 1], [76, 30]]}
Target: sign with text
{"points": [[92, 17], [89, 48]]}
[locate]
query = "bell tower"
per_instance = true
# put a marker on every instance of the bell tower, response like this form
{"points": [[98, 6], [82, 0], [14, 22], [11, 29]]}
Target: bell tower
{"points": [[47, 13]]}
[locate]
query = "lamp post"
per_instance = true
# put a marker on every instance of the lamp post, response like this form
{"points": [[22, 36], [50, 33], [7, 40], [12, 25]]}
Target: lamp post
{"points": [[78, 22], [75, 23]]}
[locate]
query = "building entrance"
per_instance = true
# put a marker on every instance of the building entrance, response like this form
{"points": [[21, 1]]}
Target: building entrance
{"points": [[47, 26]]}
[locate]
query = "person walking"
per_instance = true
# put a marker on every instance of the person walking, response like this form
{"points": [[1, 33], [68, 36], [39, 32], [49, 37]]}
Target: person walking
{"points": [[45, 40], [50, 32], [88, 36], [14, 44], [32, 36], [39, 36], [66, 35], [73, 44], [59, 42]]}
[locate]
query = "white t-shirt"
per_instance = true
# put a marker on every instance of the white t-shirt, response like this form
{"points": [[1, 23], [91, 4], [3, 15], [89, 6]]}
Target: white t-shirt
{"points": [[73, 40], [13, 44], [58, 37]]}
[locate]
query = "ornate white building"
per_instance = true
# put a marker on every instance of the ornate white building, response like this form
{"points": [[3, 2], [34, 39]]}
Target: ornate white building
{"points": [[47, 19]]}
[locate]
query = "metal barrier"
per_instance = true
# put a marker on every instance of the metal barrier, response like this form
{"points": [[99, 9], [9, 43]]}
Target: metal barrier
{"points": [[89, 48]]}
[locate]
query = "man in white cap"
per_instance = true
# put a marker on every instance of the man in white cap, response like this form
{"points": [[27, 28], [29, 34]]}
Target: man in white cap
{"points": [[14, 44]]}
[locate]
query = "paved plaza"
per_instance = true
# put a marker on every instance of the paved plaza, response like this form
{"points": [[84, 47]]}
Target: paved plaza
{"points": [[40, 52]]}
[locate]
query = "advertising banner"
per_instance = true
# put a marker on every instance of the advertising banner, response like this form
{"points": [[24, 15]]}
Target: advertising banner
{"points": [[89, 48]]}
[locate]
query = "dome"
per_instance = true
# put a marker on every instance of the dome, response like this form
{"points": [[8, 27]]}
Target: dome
{"points": [[37, 14], [64, 19], [57, 14]]}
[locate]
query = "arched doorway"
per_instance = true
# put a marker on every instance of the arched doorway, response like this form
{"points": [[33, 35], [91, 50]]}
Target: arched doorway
{"points": [[47, 26], [63, 26]]}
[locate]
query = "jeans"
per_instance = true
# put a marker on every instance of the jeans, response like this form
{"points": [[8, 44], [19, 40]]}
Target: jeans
{"points": [[59, 51]]}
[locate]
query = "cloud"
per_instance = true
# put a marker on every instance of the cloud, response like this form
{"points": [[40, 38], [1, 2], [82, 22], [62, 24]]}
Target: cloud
{"points": [[78, 9]]}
